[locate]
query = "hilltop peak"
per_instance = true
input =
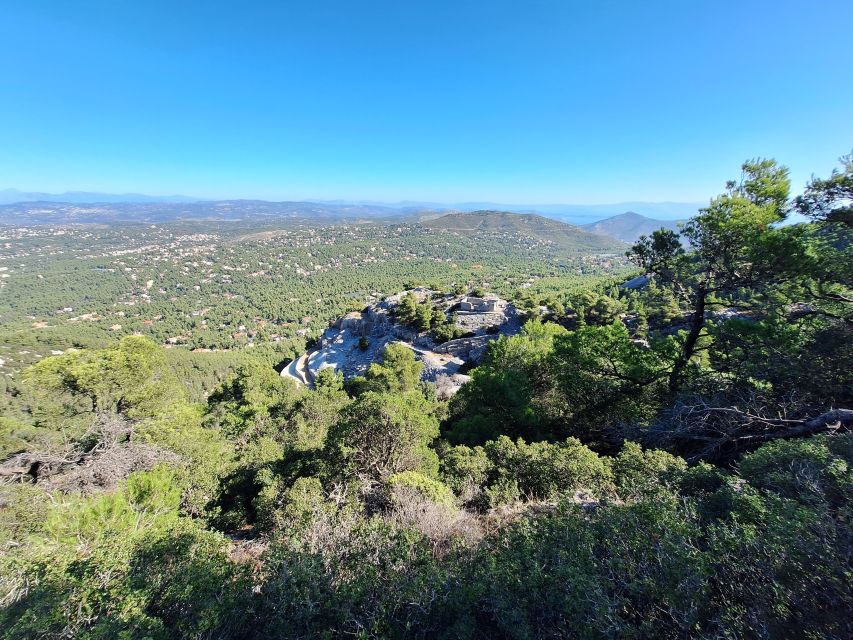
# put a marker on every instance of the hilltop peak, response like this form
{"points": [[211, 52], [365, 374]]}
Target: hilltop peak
{"points": [[531, 225], [629, 226]]}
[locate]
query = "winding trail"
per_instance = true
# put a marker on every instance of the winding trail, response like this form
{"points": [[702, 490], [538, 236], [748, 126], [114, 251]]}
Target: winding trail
{"points": [[296, 370]]}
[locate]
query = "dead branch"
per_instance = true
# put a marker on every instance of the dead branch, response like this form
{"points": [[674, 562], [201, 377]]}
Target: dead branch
{"points": [[101, 458], [701, 431]]}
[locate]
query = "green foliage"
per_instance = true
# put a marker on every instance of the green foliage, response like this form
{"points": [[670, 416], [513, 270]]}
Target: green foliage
{"points": [[445, 330], [607, 378], [803, 470], [248, 403], [122, 565], [381, 434], [131, 377], [779, 567], [289, 508], [830, 240], [639, 472], [492, 403], [784, 358], [348, 516], [597, 309], [314, 413], [829, 199], [478, 292], [549, 383], [553, 576], [661, 305], [428, 488], [736, 244], [188, 584], [17, 436], [23, 511], [464, 469], [205, 455], [527, 351], [146, 499], [543, 470], [724, 556], [501, 397], [399, 371], [677, 575], [503, 471], [421, 316], [363, 582], [154, 492]]}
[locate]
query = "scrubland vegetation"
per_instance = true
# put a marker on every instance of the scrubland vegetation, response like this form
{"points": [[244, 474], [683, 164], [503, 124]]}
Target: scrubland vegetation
{"points": [[669, 461]]}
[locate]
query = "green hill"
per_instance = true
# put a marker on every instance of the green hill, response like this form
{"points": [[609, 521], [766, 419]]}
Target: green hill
{"points": [[629, 226], [565, 236]]}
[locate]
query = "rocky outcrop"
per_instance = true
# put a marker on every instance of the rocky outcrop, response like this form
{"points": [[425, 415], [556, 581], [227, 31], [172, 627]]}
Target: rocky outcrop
{"points": [[479, 305], [357, 339], [469, 349]]}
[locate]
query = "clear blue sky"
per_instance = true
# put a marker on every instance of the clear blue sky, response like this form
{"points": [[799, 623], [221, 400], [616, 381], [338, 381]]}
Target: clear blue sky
{"points": [[508, 101]]}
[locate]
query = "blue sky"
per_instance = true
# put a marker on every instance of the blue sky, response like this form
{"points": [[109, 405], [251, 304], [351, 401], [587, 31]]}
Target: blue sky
{"points": [[507, 101]]}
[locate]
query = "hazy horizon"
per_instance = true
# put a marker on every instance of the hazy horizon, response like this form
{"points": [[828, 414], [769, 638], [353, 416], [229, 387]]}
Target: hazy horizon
{"points": [[328, 199], [579, 212]]}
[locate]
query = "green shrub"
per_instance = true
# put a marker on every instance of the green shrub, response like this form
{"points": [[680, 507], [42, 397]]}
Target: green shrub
{"points": [[279, 507], [804, 470], [545, 470], [381, 434], [205, 455], [638, 472], [502, 471], [154, 492], [429, 488], [16, 436], [503, 491], [123, 564], [465, 467]]}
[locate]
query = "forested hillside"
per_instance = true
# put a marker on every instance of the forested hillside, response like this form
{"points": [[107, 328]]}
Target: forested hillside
{"points": [[666, 460], [217, 293], [630, 226], [489, 223]]}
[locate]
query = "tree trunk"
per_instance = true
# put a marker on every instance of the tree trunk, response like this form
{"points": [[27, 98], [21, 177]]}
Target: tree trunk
{"points": [[689, 348]]}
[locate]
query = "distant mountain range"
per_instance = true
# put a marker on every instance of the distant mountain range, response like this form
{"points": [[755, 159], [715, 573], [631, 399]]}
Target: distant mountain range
{"points": [[494, 222], [626, 227], [32, 213], [10, 196], [571, 213], [629, 226]]}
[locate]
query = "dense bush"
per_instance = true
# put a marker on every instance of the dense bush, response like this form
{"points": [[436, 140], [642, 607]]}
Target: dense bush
{"points": [[555, 541], [122, 565]]}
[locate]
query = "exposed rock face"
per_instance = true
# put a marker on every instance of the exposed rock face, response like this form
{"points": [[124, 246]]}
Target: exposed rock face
{"points": [[356, 340], [467, 348], [479, 305], [636, 283], [353, 321]]}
